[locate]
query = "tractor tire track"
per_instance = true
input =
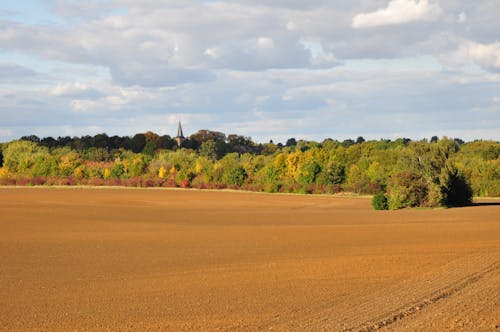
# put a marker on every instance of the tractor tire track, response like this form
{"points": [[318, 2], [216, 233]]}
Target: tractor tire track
{"points": [[363, 314], [439, 295]]}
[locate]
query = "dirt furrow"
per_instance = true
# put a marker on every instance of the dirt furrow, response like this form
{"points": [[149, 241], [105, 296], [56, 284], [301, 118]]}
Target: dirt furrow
{"points": [[439, 295], [396, 302], [84, 259]]}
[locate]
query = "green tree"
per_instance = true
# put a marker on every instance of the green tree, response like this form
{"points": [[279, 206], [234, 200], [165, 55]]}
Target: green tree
{"points": [[208, 149], [380, 202], [309, 172], [232, 173], [454, 187], [149, 148], [234, 176], [44, 165], [407, 189], [332, 173], [20, 156], [118, 169], [270, 178]]}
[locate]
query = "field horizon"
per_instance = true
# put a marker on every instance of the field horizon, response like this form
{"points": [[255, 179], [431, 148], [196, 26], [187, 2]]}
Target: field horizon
{"points": [[113, 259]]}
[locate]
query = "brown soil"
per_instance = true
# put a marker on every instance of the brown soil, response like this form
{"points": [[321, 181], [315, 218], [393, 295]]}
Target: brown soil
{"points": [[118, 259]]}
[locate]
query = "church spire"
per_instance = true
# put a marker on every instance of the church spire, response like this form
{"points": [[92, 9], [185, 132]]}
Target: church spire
{"points": [[180, 136]]}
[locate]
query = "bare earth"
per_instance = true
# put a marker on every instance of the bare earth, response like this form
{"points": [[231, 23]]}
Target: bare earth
{"points": [[118, 259]]}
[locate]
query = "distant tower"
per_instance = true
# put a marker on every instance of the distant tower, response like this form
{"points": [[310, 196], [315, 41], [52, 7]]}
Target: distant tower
{"points": [[180, 136]]}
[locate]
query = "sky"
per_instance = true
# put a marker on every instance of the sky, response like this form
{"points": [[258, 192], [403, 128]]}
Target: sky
{"points": [[270, 70]]}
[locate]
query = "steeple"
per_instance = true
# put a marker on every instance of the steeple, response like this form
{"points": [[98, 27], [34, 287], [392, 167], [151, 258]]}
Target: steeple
{"points": [[180, 136]]}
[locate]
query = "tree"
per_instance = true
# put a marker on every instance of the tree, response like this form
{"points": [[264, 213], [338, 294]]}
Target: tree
{"points": [[360, 140], [332, 173], [49, 142], [208, 149], [309, 171], [231, 172], [270, 176], [44, 165], [68, 161], [291, 142], [149, 136], [380, 202], [19, 156], [31, 138], [454, 187], [136, 165], [269, 148], [205, 135], [101, 141], [166, 142], [407, 189], [240, 144], [235, 175], [149, 148], [138, 143], [347, 143], [204, 169], [432, 180], [96, 154]]}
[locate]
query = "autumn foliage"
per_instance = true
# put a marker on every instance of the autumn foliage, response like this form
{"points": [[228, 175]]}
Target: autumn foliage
{"points": [[407, 173]]}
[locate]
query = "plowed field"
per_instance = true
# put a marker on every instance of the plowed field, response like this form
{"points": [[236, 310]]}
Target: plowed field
{"points": [[124, 259]]}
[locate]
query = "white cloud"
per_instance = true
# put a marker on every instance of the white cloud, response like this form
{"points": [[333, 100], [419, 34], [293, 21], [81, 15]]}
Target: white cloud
{"points": [[131, 66], [82, 105], [486, 55], [462, 17], [265, 43], [74, 89], [399, 12]]}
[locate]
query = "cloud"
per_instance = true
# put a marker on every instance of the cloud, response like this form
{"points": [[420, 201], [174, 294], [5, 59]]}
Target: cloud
{"points": [[486, 55], [154, 44], [398, 12], [85, 9], [314, 69], [75, 89], [467, 52], [462, 17], [11, 72]]}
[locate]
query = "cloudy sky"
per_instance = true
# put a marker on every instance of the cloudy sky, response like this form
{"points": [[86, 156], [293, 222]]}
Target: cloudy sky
{"points": [[308, 69]]}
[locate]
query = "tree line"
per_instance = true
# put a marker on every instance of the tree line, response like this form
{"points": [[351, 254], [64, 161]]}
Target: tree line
{"points": [[400, 173]]}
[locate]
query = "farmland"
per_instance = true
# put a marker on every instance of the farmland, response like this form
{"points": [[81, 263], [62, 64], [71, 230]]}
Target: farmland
{"points": [[119, 259]]}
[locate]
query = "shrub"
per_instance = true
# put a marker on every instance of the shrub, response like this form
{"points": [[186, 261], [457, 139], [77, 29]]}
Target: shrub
{"points": [[333, 173], [67, 181], [407, 189], [94, 182], [37, 181], [456, 191], [380, 202], [309, 172], [7, 181], [22, 181], [234, 176]]}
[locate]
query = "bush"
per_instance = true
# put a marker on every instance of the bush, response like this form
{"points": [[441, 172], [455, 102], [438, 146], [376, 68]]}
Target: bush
{"points": [[309, 172], [380, 202], [234, 176], [38, 181], [407, 189], [456, 191]]}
